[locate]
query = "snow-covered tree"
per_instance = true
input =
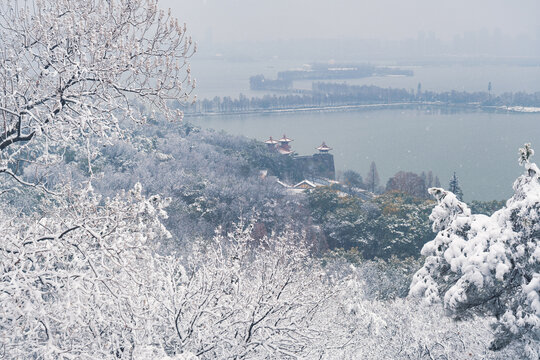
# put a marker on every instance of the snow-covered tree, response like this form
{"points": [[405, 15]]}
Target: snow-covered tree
{"points": [[78, 275], [353, 179], [454, 188], [78, 281], [489, 265], [409, 183], [71, 68], [372, 178], [238, 297]]}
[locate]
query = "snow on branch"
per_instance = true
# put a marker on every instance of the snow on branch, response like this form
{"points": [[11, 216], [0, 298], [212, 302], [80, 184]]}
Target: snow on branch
{"points": [[80, 279], [73, 68]]}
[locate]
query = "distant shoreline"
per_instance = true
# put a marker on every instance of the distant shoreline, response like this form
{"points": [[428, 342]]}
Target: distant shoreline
{"points": [[401, 105]]}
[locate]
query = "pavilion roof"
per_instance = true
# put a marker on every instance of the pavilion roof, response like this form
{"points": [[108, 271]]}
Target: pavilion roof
{"points": [[271, 141], [324, 147], [285, 139]]}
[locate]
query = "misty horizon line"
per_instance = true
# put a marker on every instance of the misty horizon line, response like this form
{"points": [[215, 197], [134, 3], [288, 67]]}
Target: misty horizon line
{"points": [[469, 44], [421, 35]]}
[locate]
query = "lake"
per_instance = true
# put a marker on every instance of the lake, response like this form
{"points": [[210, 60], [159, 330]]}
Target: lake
{"points": [[481, 147]]}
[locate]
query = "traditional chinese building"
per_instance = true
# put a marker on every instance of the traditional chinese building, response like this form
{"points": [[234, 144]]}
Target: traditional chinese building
{"points": [[284, 147], [316, 166], [271, 143], [319, 165], [323, 149], [305, 185]]}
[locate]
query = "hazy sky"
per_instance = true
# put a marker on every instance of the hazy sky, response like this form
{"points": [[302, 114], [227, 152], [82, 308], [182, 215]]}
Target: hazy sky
{"points": [[223, 20]]}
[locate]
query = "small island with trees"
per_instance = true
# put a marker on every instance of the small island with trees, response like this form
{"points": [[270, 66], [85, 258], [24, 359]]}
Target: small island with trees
{"points": [[325, 96]]}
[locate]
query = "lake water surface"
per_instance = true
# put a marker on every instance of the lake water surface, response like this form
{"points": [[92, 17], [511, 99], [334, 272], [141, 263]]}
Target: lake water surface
{"points": [[481, 147]]}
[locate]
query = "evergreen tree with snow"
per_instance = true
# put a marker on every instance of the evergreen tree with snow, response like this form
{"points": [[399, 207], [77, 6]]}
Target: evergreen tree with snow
{"points": [[480, 265], [372, 178], [453, 186]]}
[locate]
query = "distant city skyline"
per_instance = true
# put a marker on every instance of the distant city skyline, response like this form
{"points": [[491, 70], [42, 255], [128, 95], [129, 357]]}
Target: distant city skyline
{"points": [[223, 21]]}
